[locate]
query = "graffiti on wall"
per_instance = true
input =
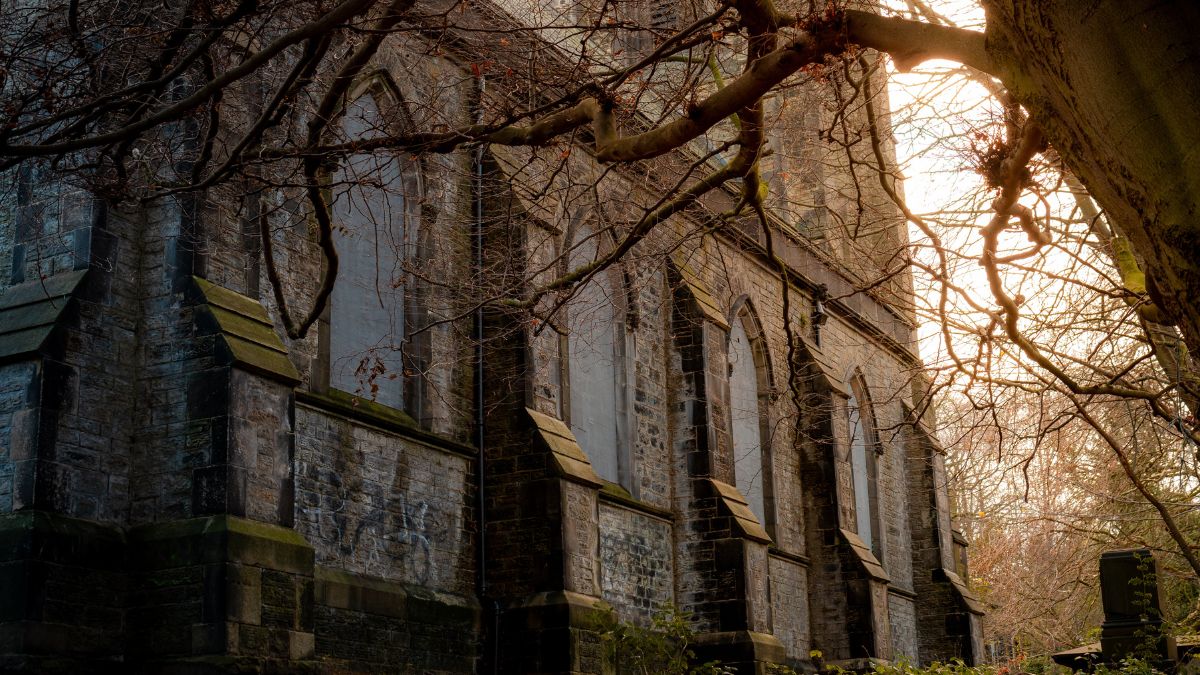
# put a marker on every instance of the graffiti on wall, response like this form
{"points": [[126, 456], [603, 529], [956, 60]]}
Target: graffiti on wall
{"points": [[389, 538]]}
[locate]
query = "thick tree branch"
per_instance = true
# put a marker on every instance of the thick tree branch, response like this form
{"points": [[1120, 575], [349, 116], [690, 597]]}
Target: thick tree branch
{"points": [[911, 43]]}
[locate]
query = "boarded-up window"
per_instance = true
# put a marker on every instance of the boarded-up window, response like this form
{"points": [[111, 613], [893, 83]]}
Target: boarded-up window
{"points": [[863, 466], [749, 476], [373, 213], [594, 361]]}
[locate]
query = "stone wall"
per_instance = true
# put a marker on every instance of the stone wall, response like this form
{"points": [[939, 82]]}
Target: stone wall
{"points": [[651, 438], [18, 424], [251, 513], [381, 505], [637, 574], [63, 594], [391, 517], [789, 607], [949, 626], [902, 615], [216, 588], [689, 370], [56, 238], [370, 625]]}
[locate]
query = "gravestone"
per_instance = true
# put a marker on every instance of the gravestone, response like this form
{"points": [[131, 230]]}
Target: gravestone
{"points": [[1133, 623]]}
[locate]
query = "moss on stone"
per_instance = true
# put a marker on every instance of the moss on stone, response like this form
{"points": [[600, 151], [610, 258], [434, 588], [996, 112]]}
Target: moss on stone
{"points": [[258, 332], [373, 408], [223, 538], [249, 335], [53, 522], [231, 300], [210, 524], [30, 312], [613, 493]]}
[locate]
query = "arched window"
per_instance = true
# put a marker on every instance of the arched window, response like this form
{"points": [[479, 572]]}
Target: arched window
{"points": [[751, 475], [595, 364], [374, 208], [863, 444]]}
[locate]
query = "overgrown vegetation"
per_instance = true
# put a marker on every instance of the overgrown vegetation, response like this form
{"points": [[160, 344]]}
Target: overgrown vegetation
{"points": [[1038, 666], [665, 647]]}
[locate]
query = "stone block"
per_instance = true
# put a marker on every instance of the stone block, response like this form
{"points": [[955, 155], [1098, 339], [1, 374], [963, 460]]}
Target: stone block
{"points": [[243, 593], [301, 645], [209, 638], [252, 640]]}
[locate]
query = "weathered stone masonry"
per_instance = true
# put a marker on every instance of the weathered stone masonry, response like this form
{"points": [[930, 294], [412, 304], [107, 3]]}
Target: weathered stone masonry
{"points": [[182, 490]]}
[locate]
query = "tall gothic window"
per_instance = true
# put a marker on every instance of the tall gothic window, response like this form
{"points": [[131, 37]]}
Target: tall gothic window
{"points": [[374, 211], [863, 444], [749, 460], [595, 365]]}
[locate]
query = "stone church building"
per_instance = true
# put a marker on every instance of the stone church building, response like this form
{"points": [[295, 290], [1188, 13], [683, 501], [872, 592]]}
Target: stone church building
{"points": [[427, 482]]}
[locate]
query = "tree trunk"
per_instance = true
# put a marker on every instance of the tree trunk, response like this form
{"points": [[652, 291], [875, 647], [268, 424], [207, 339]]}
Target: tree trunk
{"points": [[1115, 85]]}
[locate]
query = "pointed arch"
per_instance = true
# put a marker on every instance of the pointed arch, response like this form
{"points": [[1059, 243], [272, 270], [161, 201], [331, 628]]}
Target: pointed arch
{"points": [[596, 359], [376, 204], [743, 309], [863, 442], [378, 83], [750, 389]]}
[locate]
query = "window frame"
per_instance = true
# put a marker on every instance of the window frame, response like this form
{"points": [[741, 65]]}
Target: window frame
{"points": [[615, 283], [858, 400], [414, 353], [743, 314]]}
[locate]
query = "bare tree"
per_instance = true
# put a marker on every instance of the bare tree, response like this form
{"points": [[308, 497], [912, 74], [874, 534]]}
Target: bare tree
{"points": [[79, 84], [243, 107], [1041, 496], [1068, 418]]}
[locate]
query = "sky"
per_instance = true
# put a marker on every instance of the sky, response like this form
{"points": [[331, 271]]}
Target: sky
{"points": [[935, 112], [930, 110]]}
